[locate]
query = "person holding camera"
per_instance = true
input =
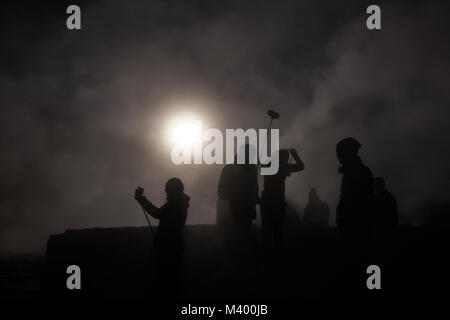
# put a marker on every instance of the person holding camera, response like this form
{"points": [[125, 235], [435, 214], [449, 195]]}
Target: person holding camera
{"points": [[169, 239]]}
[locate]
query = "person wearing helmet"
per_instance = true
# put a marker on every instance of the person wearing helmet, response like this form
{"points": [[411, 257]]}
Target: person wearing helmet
{"points": [[354, 210], [169, 237]]}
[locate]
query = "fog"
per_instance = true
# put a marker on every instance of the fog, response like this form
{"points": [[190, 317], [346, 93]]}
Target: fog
{"points": [[84, 114]]}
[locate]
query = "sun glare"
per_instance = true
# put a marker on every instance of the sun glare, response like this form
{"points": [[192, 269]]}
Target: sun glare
{"points": [[186, 132]]}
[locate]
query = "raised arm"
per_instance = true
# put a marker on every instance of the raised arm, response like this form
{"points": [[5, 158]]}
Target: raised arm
{"points": [[149, 207], [298, 165]]}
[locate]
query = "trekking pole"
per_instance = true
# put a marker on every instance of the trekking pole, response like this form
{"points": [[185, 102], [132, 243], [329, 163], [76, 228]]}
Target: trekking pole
{"points": [[148, 220], [138, 193]]}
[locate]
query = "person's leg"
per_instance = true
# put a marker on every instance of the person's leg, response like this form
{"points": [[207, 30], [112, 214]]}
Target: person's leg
{"points": [[163, 276], [266, 228], [177, 268]]}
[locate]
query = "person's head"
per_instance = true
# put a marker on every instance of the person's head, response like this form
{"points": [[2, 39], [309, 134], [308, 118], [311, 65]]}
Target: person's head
{"points": [[313, 196], [174, 188], [347, 149], [284, 156], [379, 184]]}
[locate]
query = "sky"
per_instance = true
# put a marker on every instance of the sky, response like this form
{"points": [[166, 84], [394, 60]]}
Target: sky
{"points": [[84, 114]]}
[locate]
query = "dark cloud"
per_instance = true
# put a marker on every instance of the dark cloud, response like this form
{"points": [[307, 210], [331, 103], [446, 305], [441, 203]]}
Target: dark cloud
{"points": [[83, 114]]}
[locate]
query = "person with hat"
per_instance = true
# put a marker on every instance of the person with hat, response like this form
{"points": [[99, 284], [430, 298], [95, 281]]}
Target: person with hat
{"points": [[354, 210]]}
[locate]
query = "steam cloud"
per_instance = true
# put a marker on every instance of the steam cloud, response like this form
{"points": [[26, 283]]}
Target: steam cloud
{"points": [[83, 113]]}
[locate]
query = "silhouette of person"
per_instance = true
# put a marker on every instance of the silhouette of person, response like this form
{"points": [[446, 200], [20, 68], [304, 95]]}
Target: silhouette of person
{"points": [[316, 212], [273, 204], [385, 222], [386, 205], [354, 211], [169, 237], [354, 214], [238, 185]]}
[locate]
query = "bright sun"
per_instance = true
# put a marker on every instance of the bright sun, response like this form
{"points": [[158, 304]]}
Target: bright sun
{"points": [[186, 132]]}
